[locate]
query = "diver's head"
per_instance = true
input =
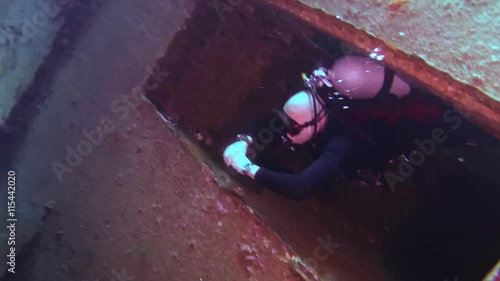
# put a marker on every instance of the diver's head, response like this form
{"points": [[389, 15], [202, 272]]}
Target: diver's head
{"points": [[304, 115]]}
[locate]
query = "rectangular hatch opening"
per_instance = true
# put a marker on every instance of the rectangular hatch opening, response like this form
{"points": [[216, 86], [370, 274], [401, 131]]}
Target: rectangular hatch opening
{"points": [[229, 68]]}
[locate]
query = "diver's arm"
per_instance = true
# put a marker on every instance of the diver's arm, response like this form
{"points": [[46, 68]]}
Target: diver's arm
{"points": [[300, 186], [293, 186]]}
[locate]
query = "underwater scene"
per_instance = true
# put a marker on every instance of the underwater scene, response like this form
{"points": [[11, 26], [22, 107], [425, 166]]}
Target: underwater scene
{"points": [[250, 140]]}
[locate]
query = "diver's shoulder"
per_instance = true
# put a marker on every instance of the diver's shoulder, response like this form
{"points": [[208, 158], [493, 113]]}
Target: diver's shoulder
{"points": [[340, 141]]}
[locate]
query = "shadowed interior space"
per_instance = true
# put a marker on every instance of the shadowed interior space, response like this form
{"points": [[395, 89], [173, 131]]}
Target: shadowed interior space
{"points": [[116, 116], [226, 73]]}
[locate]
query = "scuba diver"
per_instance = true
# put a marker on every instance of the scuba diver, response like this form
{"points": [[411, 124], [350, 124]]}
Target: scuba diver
{"points": [[345, 150]]}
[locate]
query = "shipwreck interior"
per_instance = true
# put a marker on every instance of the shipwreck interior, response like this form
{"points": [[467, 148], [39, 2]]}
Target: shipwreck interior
{"points": [[228, 70], [142, 202]]}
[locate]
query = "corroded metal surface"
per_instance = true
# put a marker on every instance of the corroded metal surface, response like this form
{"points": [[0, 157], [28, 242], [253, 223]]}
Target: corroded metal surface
{"points": [[137, 206], [450, 47]]}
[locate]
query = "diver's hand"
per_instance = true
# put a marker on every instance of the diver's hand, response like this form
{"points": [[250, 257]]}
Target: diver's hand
{"points": [[233, 150], [235, 157]]}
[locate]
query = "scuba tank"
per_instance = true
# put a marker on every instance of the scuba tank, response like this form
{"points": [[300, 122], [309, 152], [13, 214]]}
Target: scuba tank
{"points": [[363, 78], [361, 90], [362, 93]]}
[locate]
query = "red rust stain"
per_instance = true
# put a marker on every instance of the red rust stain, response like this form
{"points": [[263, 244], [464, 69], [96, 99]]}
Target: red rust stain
{"points": [[396, 4]]}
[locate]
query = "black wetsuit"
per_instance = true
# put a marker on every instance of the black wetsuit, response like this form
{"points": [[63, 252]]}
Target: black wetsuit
{"points": [[343, 152]]}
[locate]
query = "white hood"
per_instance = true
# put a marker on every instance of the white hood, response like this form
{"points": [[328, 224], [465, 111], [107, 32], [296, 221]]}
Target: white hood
{"points": [[300, 108]]}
